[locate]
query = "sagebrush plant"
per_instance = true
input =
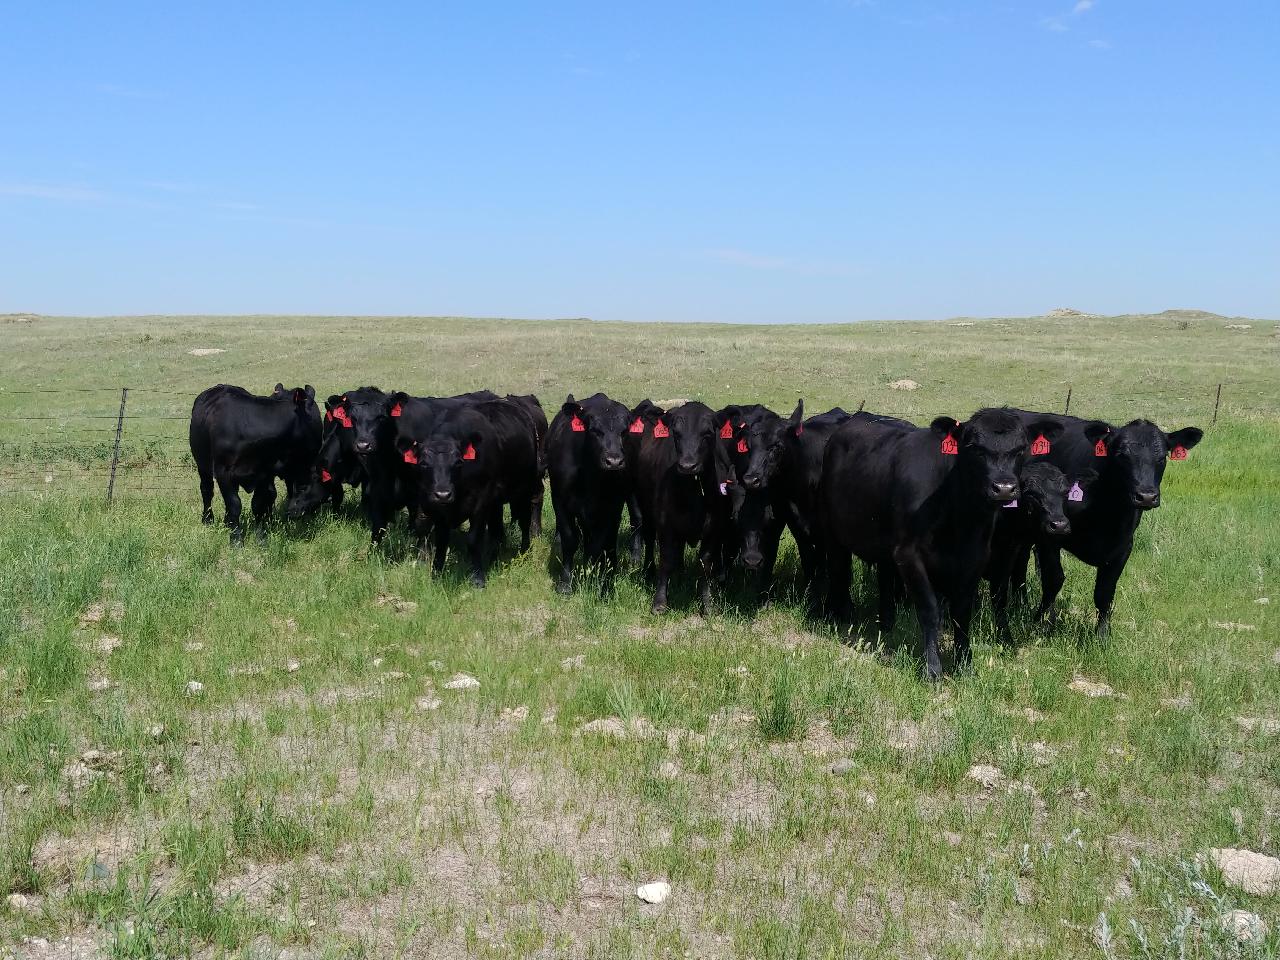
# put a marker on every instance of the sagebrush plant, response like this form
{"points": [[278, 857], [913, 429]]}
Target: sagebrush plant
{"points": [[322, 790]]}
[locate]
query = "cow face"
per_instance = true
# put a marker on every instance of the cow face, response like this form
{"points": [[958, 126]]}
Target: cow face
{"points": [[1135, 455], [602, 425], [990, 449], [439, 462], [1044, 494], [765, 440], [753, 512], [359, 419], [693, 432]]}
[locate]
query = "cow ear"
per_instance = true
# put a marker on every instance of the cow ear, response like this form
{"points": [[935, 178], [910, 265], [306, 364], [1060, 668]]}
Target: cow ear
{"points": [[404, 443], [279, 392], [299, 396], [796, 415], [1096, 430], [943, 426], [1048, 428], [310, 391], [646, 408], [570, 407], [1186, 438], [394, 400], [333, 401]]}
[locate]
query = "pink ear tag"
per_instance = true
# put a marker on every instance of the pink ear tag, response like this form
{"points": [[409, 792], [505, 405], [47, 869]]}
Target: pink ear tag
{"points": [[576, 424], [1178, 453], [660, 430], [1075, 494], [726, 432], [470, 454], [1011, 505], [1040, 446], [742, 445], [396, 410], [325, 476], [637, 426], [1100, 448], [410, 456], [949, 446]]}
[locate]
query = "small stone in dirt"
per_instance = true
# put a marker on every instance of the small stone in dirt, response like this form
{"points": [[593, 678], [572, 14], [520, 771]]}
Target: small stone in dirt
{"points": [[392, 675], [1265, 725], [1254, 873], [951, 838], [92, 614], [985, 774], [17, 902], [843, 766], [292, 666], [1123, 889], [1237, 326], [462, 681], [1232, 627], [668, 770], [155, 731], [655, 892], [435, 664], [377, 662], [195, 646], [1022, 894], [100, 684], [1041, 753], [1090, 688], [1263, 600], [107, 643], [739, 671], [574, 663], [194, 687], [206, 351], [22, 789], [1032, 714], [1246, 927], [244, 577], [1181, 702], [904, 384], [515, 715], [428, 703]]}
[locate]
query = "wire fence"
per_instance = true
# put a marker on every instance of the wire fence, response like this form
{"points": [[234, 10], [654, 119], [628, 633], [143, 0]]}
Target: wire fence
{"points": [[125, 441]]}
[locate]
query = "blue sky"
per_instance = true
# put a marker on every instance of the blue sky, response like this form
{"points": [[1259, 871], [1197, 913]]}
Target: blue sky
{"points": [[817, 160]]}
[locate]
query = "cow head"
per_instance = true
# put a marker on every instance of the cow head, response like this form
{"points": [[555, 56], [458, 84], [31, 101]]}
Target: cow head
{"points": [[1044, 495], [359, 418], [439, 462], [1134, 456], [693, 433], [990, 449], [760, 445], [753, 513], [602, 423], [320, 482]]}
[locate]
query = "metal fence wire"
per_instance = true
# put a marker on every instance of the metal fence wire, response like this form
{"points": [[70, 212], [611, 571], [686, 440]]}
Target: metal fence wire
{"points": [[133, 441]]}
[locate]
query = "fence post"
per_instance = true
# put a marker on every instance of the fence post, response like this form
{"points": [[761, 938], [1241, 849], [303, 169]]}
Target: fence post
{"points": [[1067, 408], [115, 453], [1216, 402]]}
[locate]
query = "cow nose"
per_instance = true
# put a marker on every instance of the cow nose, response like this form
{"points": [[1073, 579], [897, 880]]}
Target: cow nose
{"points": [[1059, 526], [363, 446], [688, 466], [752, 559], [443, 495], [613, 463], [1146, 499], [1003, 489], [751, 481]]}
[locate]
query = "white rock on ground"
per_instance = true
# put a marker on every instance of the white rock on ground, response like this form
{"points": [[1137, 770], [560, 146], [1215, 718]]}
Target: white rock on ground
{"points": [[429, 703], [1090, 688], [1258, 724], [107, 643], [462, 681], [1254, 873], [194, 687], [1232, 627], [206, 351], [904, 384], [574, 663], [292, 666], [1244, 926], [986, 775], [655, 892]]}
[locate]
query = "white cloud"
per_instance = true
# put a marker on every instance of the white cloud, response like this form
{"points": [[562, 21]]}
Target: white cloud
{"points": [[1054, 24], [1100, 44], [60, 192], [1083, 6]]}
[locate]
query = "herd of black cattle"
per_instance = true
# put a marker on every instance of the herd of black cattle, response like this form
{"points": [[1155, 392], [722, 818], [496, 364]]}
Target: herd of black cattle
{"points": [[933, 509]]}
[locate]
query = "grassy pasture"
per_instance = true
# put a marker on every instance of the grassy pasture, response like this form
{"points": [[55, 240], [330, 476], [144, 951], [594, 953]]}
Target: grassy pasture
{"points": [[323, 794]]}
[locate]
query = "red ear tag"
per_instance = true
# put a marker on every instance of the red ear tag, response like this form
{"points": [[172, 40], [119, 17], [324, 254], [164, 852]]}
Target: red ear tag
{"points": [[949, 445], [410, 456], [1178, 453], [726, 432], [637, 426], [469, 454], [660, 430], [1040, 445], [577, 425], [396, 410], [1100, 448], [340, 414], [328, 416], [325, 476], [742, 445]]}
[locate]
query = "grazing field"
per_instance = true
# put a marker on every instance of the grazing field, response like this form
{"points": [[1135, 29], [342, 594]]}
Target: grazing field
{"points": [[258, 752]]}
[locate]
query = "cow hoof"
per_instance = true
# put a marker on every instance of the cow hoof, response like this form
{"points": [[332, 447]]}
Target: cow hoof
{"points": [[237, 537], [207, 518], [658, 607], [477, 580], [564, 588]]}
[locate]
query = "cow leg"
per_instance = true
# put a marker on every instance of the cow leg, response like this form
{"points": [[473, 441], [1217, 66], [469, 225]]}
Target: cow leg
{"points": [[522, 513], [961, 616], [206, 495], [916, 579], [477, 546], [839, 563], [887, 588], [1104, 591], [375, 509], [1018, 573], [442, 533], [567, 533], [497, 538], [232, 507], [1051, 580], [670, 555], [708, 559], [998, 574], [639, 543], [769, 548], [535, 512], [264, 498]]}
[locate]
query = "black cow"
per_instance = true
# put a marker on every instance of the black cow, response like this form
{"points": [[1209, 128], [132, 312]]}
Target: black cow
{"points": [[1037, 516], [246, 441], [680, 469], [589, 482], [1130, 462], [463, 462], [539, 418], [644, 415], [356, 432], [921, 504]]}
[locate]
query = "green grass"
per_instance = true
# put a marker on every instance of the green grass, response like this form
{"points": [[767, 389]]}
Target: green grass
{"points": [[321, 810]]}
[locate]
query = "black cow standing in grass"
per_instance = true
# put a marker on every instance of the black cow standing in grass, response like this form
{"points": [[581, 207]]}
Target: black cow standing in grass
{"points": [[244, 441], [1037, 516], [589, 482], [921, 505], [644, 415], [539, 418], [679, 473], [462, 463], [1130, 463]]}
